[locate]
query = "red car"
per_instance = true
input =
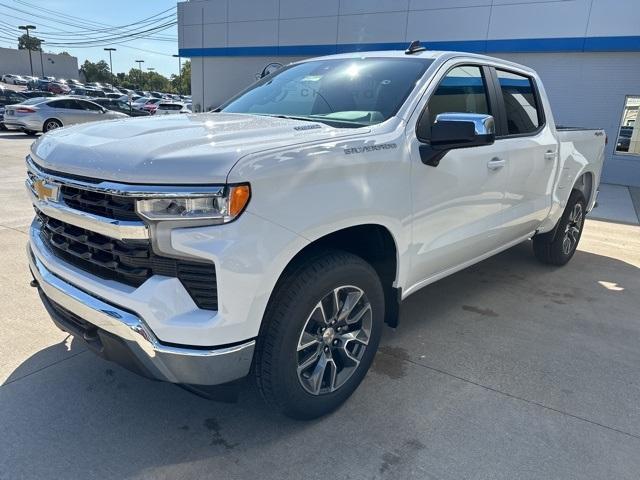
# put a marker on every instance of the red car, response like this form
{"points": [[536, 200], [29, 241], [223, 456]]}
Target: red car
{"points": [[152, 105], [58, 88]]}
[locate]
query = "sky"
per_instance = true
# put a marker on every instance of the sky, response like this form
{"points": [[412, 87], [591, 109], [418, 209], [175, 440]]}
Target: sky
{"points": [[157, 54]]}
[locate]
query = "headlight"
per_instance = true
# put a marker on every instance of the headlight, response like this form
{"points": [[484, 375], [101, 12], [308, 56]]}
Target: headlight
{"points": [[222, 208]]}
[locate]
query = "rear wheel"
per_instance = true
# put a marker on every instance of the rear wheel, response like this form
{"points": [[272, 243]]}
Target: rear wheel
{"points": [[51, 124], [319, 335], [559, 248]]}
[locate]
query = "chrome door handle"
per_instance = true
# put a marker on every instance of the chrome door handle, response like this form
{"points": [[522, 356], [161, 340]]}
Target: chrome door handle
{"points": [[550, 155], [496, 163]]}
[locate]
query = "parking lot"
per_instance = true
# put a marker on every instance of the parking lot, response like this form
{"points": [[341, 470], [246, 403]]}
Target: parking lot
{"points": [[509, 369]]}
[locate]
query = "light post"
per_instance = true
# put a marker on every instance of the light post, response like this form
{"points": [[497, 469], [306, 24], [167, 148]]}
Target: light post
{"points": [[140, 62], [110, 49], [41, 62], [179, 73], [27, 28]]}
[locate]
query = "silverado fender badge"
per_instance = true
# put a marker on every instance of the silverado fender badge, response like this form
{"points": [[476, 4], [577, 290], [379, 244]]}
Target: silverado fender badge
{"points": [[370, 148]]}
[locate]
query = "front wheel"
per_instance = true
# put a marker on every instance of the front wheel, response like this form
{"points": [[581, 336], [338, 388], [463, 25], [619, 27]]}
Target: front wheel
{"points": [[320, 334], [559, 248]]}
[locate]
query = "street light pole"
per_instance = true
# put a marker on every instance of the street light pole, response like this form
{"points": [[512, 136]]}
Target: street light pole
{"points": [[41, 62], [27, 28], [179, 73], [140, 62], [110, 64]]}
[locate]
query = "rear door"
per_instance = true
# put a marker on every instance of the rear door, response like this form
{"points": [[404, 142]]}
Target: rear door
{"points": [[458, 205], [525, 133]]}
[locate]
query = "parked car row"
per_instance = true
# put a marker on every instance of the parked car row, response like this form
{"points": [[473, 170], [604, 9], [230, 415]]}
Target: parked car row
{"points": [[50, 103]]}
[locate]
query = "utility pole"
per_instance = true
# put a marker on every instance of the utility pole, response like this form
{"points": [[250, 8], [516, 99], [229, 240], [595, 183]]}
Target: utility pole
{"points": [[179, 73], [140, 62], [27, 28], [41, 62], [110, 49]]}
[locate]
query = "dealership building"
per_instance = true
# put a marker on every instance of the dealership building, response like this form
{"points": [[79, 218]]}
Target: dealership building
{"points": [[586, 51]]}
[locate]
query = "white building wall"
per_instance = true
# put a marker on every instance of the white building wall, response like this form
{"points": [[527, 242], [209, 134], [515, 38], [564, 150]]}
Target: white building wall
{"points": [[17, 62], [587, 51]]}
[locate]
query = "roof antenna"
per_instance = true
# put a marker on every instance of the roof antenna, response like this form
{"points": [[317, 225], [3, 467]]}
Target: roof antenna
{"points": [[415, 47]]}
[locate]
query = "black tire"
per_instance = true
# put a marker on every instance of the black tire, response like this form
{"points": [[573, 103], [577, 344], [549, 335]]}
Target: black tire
{"points": [[290, 311], [29, 132], [3, 127], [552, 249], [51, 124]]}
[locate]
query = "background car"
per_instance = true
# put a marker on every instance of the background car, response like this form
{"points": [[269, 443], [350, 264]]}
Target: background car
{"points": [[112, 95], [58, 88], [14, 79], [36, 93], [120, 106], [125, 98], [87, 92], [38, 84], [73, 83], [171, 108], [8, 97], [624, 139], [46, 114]]}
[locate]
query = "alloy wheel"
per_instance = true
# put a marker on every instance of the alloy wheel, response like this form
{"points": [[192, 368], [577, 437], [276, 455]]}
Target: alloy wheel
{"points": [[572, 230], [333, 340]]}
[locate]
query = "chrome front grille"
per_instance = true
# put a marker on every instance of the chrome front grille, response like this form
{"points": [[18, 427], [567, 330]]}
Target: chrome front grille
{"points": [[103, 204], [98, 231]]}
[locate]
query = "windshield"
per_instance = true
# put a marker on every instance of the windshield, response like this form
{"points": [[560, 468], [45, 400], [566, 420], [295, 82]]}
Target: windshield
{"points": [[349, 92]]}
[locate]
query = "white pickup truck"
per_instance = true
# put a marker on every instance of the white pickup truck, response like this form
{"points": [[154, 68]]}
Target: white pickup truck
{"points": [[275, 236]]}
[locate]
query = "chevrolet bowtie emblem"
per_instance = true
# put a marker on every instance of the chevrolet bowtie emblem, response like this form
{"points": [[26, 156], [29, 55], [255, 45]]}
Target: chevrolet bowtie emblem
{"points": [[46, 191]]}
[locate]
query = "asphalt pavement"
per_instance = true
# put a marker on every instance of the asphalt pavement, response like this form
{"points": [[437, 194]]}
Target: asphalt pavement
{"points": [[507, 370]]}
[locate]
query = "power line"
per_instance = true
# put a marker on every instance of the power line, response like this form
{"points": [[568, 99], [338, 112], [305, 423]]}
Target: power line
{"points": [[85, 28]]}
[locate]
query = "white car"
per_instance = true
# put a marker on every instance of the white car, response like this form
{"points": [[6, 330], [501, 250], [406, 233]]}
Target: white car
{"points": [[171, 108], [14, 79], [276, 237], [45, 114]]}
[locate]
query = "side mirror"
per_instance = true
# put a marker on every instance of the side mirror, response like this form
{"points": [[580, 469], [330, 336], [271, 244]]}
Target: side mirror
{"points": [[453, 131]]}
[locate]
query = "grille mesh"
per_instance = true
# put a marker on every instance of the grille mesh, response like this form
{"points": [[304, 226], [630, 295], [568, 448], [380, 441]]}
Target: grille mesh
{"points": [[130, 262]]}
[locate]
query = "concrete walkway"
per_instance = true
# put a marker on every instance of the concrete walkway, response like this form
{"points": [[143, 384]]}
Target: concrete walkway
{"points": [[617, 203]]}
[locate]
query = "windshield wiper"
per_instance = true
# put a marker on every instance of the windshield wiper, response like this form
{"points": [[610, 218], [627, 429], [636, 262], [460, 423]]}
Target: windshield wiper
{"points": [[290, 117]]}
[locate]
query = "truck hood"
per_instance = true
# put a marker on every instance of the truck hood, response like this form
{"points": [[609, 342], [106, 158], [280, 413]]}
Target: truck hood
{"points": [[172, 149]]}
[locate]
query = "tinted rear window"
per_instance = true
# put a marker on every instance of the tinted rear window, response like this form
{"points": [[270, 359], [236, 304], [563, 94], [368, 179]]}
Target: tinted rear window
{"points": [[520, 103]]}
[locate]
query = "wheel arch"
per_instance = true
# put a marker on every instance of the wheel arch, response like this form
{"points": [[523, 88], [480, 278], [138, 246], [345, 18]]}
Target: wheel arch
{"points": [[375, 244], [584, 184]]}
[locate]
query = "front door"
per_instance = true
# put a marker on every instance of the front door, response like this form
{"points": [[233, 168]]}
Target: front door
{"points": [[458, 205]]}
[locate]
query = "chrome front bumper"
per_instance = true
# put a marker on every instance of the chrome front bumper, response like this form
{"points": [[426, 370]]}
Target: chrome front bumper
{"points": [[175, 364]]}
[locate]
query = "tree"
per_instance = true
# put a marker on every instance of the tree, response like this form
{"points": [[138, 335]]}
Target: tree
{"points": [[96, 72], [30, 43], [182, 83]]}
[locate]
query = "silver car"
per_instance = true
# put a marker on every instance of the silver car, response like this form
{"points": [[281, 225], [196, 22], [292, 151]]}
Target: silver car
{"points": [[44, 114]]}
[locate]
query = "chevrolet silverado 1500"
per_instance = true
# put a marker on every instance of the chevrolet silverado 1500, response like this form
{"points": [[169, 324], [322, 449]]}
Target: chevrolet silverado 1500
{"points": [[275, 236]]}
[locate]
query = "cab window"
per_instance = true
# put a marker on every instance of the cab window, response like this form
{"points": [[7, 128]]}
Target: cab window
{"points": [[520, 103], [462, 90]]}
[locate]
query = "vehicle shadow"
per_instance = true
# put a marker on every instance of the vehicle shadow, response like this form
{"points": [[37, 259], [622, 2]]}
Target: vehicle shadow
{"points": [[88, 418], [17, 135]]}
